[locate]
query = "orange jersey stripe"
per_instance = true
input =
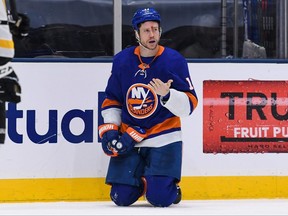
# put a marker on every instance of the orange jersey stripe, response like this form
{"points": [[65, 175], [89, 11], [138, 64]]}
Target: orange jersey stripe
{"points": [[168, 124], [160, 51], [193, 99], [108, 103]]}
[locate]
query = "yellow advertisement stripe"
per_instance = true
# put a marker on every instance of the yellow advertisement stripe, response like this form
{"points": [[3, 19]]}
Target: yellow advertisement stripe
{"points": [[53, 189], [235, 187], [95, 189]]}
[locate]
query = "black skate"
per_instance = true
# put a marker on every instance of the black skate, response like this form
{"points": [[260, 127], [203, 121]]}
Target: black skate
{"points": [[179, 195]]}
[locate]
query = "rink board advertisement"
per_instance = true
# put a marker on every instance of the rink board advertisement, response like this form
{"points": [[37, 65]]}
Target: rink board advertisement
{"points": [[245, 116], [53, 130]]}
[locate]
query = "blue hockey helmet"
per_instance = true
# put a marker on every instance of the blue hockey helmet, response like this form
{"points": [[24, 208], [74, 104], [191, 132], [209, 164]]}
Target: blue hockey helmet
{"points": [[143, 15]]}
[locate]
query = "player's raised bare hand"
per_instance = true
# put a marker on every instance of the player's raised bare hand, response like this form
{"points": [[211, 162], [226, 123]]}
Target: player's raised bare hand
{"points": [[160, 87]]}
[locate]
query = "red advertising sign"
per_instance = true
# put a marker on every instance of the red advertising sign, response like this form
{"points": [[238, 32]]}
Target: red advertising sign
{"points": [[245, 116]]}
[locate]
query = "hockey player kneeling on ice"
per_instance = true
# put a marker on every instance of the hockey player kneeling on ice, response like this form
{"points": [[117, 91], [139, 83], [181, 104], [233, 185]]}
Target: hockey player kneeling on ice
{"points": [[149, 90]]}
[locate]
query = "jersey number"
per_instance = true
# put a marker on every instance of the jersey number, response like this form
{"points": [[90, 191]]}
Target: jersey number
{"points": [[189, 83]]}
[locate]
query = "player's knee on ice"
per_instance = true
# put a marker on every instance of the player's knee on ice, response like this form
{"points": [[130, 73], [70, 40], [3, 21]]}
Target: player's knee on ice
{"points": [[125, 195], [161, 190]]}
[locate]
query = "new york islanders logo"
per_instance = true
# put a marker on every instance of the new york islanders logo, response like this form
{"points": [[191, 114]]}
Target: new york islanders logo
{"points": [[141, 101]]}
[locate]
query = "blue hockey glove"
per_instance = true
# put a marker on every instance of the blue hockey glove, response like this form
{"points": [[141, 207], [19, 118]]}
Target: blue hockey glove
{"points": [[128, 139], [109, 135]]}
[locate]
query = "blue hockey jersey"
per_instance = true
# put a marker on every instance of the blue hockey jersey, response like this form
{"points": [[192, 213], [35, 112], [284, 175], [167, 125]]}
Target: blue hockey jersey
{"points": [[131, 102]]}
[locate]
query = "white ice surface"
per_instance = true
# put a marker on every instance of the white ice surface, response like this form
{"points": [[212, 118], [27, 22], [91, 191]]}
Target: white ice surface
{"points": [[191, 207]]}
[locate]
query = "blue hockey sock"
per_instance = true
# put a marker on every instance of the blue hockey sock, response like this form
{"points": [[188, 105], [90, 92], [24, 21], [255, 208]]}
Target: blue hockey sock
{"points": [[125, 195], [161, 190]]}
